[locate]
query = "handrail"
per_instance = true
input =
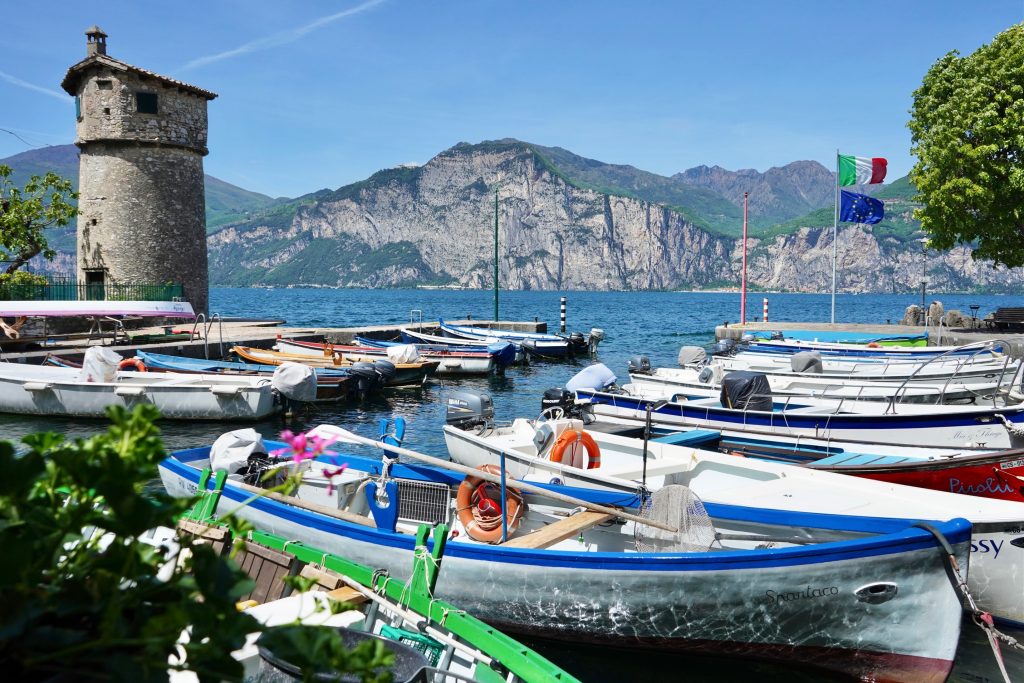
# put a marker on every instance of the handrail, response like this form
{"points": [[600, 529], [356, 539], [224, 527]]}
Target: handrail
{"points": [[220, 329], [200, 318], [977, 347]]}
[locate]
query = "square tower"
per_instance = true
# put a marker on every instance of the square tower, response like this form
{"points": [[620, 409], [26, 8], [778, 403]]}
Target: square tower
{"points": [[142, 199]]}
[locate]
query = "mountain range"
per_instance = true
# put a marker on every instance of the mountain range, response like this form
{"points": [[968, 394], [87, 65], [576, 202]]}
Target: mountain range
{"points": [[565, 222]]}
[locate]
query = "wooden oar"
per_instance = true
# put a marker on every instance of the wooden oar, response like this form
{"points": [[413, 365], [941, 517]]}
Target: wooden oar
{"points": [[344, 435]]}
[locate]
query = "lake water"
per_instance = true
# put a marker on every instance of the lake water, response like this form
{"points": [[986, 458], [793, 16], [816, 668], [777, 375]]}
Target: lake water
{"points": [[655, 324]]}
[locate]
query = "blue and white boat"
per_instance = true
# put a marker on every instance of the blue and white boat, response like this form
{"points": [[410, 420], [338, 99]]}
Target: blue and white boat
{"points": [[867, 597], [504, 353], [791, 346], [416, 337], [535, 343], [871, 422]]}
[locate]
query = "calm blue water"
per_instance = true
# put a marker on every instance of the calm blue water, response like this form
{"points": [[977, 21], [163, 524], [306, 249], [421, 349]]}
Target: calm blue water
{"points": [[652, 323]]}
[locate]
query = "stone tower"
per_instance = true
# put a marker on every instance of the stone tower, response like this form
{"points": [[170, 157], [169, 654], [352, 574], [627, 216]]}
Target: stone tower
{"points": [[141, 203]]}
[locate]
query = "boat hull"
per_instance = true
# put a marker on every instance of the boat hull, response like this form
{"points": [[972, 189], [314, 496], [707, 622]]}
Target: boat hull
{"points": [[449, 363], [785, 604]]}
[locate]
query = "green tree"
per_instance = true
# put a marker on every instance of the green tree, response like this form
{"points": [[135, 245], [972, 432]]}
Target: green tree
{"points": [[85, 598], [44, 202], [967, 125]]}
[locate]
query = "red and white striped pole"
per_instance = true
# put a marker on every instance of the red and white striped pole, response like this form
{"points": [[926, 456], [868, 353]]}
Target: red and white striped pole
{"points": [[743, 288], [766, 309]]}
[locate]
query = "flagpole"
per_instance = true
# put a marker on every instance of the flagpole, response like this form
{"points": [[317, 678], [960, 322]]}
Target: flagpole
{"points": [[743, 299], [835, 239]]}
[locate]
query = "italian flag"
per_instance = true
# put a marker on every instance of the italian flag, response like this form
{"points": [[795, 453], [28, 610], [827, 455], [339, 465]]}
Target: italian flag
{"points": [[861, 170]]}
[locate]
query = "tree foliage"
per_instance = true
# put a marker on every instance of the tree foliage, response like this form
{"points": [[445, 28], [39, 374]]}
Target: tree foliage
{"points": [[967, 129], [44, 202], [86, 598]]}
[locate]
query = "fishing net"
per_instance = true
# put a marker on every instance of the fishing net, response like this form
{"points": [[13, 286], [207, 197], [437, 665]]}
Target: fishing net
{"points": [[679, 507]]}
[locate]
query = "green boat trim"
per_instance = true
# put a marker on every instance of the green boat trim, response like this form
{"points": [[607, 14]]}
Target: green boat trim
{"points": [[415, 596]]}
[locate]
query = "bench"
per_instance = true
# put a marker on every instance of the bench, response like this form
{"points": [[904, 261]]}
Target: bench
{"points": [[558, 531], [1008, 318]]}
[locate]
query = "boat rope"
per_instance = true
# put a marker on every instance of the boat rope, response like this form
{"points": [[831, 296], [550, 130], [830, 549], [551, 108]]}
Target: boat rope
{"points": [[1012, 428], [982, 620], [380, 574]]}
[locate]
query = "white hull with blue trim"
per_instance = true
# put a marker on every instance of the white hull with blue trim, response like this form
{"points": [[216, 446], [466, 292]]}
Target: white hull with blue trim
{"points": [[996, 578], [870, 598], [861, 421], [534, 342]]}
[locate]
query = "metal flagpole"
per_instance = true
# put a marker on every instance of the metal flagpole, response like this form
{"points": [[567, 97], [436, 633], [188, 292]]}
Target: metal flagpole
{"points": [[495, 254], [743, 300], [835, 240]]}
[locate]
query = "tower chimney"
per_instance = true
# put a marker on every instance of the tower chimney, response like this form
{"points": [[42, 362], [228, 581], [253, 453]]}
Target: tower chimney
{"points": [[96, 43]]}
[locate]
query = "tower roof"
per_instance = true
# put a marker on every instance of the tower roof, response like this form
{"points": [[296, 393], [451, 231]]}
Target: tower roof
{"points": [[78, 71], [95, 30]]}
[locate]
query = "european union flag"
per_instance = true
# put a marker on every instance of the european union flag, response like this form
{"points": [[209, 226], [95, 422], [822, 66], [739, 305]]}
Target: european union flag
{"points": [[860, 208]]}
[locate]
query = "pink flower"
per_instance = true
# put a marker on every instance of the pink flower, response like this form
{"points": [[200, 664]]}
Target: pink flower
{"points": [[331, 474], [302, 446]]}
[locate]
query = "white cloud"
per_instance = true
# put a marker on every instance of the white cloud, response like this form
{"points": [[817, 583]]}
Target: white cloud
{"points": [[282, 38], [62, 96]]}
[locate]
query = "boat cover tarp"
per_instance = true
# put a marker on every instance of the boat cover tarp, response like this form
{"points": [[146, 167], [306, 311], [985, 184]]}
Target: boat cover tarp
{"points": [[806, 361], [99, 365], [403, 353], [598, 377], [746, 390], [692, 355], [295, 381]]}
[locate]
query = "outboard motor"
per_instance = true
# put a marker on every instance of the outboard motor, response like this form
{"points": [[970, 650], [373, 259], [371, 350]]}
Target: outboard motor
{"points": [[692, 355], [557, 398], [725, 347], [469, 409], [577, 343], [746, 390], [639, 365], [778, 336], [748, 338], [386, 370], [596, 337], [365, 378], [806, 361], [294, 383]]}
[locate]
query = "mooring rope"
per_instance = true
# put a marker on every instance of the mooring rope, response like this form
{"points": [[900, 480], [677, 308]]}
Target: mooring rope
{"points": [[983, 620]]}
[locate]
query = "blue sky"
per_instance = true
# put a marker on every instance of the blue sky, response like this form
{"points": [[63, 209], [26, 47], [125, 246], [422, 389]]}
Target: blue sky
{"points": [[321, 94]]}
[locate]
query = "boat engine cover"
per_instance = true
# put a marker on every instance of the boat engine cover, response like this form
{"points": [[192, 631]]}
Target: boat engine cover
{"points": [[385, 368], [806, 361], [725, 347], [295, 381], [746, 390], [639, 365], [557, 397], [99, 365], [231, 451], [692, 355], [403, 353], [469, 409], [598, 377]]}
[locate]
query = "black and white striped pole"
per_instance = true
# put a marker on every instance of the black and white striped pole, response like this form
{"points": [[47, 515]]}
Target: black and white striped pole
{"points": [[561, 324]]}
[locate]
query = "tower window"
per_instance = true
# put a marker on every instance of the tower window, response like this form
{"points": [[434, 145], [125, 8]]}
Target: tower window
{"points": [[78, 108], [145, 102], [104, 85]]}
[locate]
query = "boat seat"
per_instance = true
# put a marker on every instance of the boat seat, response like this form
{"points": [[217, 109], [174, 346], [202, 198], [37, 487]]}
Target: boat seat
{"points": [[851, 459], [558, 531], [692, 437]]}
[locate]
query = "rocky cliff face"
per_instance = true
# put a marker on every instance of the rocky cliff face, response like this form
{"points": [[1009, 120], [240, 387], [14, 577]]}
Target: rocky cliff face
{"points": [[435, 225]]}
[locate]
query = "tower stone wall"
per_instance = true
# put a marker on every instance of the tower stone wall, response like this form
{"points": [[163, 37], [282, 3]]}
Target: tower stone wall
{"points": [[142, 138]]}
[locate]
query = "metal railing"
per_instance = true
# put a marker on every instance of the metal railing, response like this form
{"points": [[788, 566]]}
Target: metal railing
{"points": [[68, 290]]}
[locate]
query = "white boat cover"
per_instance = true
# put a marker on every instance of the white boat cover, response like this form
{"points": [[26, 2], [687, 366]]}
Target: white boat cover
{"points": [[99, 365], [598, 376], [806, 361], [231, 451], [295, 381], [403, 353], [692, 355]]}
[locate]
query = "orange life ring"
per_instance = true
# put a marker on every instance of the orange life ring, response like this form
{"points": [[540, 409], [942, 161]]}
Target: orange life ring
{"points": [[132, 363], [567, 447], [874, 345], [479, 513]]}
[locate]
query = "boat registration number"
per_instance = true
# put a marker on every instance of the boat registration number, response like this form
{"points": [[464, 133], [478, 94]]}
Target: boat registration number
{"points": [[1013, 464]]}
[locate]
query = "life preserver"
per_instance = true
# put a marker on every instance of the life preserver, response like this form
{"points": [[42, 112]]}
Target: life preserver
{"points": [[478, 510], [132, 364], [874, 345], [567, 447]]}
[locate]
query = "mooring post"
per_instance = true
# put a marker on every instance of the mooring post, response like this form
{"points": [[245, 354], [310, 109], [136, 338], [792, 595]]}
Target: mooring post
{"points": [[561, 319], [766, 309]]}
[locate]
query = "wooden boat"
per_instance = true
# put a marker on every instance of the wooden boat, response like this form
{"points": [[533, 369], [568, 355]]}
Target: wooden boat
{"points": [[692, 458], [331, 385], [911, 424], [859, 595], [449, 362], [534, 343], [405, 374], [428, 636], [46, 390], [417, 337]]}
